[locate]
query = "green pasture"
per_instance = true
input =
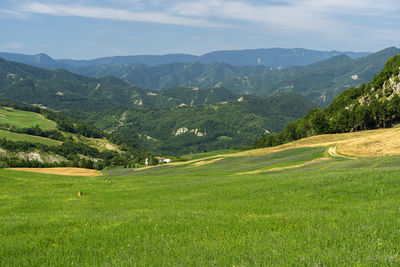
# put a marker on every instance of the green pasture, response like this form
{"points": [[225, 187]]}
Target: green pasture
{"points": [[336, 212], [28, 138], [21, 119]]}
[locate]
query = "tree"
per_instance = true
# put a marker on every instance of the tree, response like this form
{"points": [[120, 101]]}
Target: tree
{"points": [[319, 122]]}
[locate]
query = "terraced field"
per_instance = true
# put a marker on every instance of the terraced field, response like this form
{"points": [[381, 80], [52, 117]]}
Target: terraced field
{"points": [[290, 205]]}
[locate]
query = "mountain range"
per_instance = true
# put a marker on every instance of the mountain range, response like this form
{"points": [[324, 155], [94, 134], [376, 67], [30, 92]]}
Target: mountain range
{"points": [[320, 81], [175, 120], [188, 107], [273, 57]]}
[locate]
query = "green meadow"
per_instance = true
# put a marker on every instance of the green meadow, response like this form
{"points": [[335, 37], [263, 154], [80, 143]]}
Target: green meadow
{"points": [[21, 119], [334, 212], [28, 138]]}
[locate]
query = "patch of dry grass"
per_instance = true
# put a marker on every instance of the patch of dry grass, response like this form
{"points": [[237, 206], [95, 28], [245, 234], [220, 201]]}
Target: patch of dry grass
{"points": [[61, 171], [287, 167], [204, 162], [373, 143]]}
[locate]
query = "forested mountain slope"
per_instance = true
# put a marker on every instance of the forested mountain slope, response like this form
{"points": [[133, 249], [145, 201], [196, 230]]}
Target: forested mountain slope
{"points": [[369, 106], [201, 128], [320, 82], [174, 74], [176, 120]]}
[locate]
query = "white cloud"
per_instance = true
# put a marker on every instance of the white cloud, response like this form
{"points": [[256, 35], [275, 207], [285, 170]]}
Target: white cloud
{"points": [[5, 13], [294, 17], [304, 15], [115, 14], [335, 20]]}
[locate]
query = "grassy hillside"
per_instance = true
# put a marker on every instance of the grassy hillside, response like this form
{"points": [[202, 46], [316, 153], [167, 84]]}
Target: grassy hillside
{"points": [[288, 207], [34, 137], [28, 138], [21, 118]]}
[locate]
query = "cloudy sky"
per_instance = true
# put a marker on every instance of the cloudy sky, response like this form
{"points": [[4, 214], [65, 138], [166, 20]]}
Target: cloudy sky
{"points": [[82, 29]]}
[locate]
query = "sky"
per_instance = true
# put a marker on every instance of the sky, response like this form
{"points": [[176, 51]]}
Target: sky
{"points": [[86, 29]]}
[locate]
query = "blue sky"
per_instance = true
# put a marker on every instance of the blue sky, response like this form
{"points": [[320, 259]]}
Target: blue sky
{"points": [[83, 29]]}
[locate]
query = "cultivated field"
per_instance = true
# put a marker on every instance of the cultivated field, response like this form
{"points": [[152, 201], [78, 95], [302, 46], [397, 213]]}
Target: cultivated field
{"points": [[277, 206]]}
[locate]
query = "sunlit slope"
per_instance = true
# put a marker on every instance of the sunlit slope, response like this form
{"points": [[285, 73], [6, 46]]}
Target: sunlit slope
{"points": [[322, 149], [373, 143], [28, 138], [16, 118], [21, 118]]}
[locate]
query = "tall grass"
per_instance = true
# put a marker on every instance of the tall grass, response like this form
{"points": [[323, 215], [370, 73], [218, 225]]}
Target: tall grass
{"points": [[337, 212]]}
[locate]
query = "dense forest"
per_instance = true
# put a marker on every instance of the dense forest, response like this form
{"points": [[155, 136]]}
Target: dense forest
{"points": [[193, 129]]}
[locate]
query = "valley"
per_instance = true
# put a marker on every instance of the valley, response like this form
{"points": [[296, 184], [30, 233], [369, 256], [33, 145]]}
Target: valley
{"points": [[199, 133], [271, 180], [152, 118], [293, 203]]}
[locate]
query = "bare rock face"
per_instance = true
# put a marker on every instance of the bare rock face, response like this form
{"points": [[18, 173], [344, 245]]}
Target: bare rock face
{"points": [[31, 156], [390, 88], [182, 130]]}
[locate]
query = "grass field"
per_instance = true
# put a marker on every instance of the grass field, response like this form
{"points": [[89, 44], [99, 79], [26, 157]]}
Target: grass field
{"points": [[335, 212], [21, 119], [28, 138]]}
